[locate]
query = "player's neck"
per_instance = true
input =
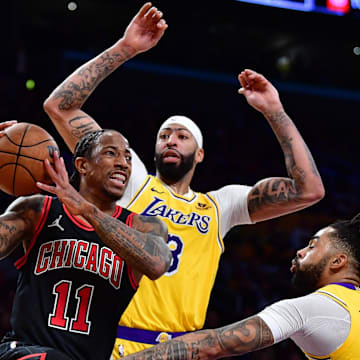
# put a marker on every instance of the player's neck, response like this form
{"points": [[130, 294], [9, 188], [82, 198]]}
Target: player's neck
{"points": [[181, 186], [345, 278], [107, 206]]}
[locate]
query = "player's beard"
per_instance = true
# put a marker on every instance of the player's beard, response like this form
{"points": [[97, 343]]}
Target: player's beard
{"points": [[306, 280], [174, 172]]}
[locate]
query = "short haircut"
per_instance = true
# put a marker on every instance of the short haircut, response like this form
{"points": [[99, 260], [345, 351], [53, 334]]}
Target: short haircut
{"points": [[84, 148], [347, 237]]}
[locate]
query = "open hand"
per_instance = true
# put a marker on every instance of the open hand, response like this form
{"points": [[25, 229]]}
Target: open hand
{"points": [[66, 193], [145, 29], [259, 92]]}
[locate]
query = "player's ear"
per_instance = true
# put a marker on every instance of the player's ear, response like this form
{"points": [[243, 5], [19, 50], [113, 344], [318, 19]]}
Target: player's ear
{"points": [[199, 155], [81, 165], [338, 261]]}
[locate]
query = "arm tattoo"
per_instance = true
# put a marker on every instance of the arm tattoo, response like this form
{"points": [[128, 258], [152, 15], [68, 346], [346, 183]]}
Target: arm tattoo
{"points": [[7, 237], [145, 250], [280, 121], [272, 191], [242, 337], [80, 128], [17, 223], [299, 164], [75, 91]]}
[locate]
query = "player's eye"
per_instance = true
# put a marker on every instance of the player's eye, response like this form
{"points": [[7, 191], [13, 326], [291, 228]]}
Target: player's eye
{"points": [[163, 136]]}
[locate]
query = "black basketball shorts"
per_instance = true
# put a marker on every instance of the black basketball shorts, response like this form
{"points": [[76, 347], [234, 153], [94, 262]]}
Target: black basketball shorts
{"points": [[14, 350]]}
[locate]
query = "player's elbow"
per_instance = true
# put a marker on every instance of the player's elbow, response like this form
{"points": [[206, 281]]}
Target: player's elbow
{"points": [[50, 107], [314, 193]]}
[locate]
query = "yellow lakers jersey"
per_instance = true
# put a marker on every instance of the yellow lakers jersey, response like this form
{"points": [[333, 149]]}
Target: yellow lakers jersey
{"points": [[350, 300], [178, 300]]}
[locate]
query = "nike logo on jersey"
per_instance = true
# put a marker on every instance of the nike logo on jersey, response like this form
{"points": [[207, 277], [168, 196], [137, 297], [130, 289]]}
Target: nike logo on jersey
{"points": [[158, 207], [56, 223], [157, 191]]}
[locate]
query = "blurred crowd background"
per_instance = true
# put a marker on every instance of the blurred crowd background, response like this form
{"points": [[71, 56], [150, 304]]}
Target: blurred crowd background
{"points": [[311, 59]]}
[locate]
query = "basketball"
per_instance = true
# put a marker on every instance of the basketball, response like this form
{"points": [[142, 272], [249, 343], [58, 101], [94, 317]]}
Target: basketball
{"points": [[23, 149]]}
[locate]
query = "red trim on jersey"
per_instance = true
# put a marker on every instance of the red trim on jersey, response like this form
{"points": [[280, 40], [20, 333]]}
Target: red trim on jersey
{"points": [[117, 211], [78, 222], [83, 225], [129, 220], [44, 212], [132, 279], [133, 282], [42, 356]]}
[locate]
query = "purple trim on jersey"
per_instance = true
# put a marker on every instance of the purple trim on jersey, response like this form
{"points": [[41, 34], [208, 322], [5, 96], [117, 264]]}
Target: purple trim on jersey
{"points": [[347, 285], [145, 336]]}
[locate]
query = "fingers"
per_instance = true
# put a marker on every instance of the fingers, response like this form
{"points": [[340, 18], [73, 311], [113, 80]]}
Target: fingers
{"points": [[250, 79], [144, 9], [50, 170], [5, 125], [243, 80], [58, 172], [48, 188], [162, 25], [155, 16]]}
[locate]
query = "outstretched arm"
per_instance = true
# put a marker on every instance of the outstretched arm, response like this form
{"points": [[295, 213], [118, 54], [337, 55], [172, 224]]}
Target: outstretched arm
{"points": [[242, 337], [64, 104], [143, 246], [278, 196]]}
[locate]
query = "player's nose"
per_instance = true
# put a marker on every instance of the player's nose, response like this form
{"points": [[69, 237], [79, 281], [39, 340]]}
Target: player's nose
{"points": [[172, 139], [301, 253]]}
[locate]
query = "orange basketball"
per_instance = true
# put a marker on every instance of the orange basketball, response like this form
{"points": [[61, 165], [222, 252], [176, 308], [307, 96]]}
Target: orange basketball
{"points": [[23, 149]]}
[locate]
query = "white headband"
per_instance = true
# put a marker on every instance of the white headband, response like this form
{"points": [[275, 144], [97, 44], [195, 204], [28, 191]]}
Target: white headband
{"points": [[186, 122]]}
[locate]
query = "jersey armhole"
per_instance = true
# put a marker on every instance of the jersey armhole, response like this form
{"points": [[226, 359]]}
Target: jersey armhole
{"points": [[220, 240], [132, 279]]}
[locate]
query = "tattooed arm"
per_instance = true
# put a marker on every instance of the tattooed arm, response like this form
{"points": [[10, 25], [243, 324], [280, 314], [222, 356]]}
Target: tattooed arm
{"points": [[242, 337], [143, 246], [18, 222], [277, 196], [64, 104]]}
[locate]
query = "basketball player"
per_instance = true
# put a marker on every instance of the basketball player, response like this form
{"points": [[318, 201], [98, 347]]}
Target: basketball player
{"points": [[84, 256], [197, 223], [325, 324]]}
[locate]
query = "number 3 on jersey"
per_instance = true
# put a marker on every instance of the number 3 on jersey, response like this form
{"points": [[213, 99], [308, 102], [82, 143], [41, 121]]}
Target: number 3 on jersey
{"points": [[58, 319], [176, 246]]}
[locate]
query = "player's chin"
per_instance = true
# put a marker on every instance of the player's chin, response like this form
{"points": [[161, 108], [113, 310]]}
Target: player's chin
{"points": [[116, 192]]}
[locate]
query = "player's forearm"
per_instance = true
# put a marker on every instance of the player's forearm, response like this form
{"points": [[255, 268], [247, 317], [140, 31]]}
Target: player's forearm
{"points": [[9, 238], [299, 162], [17, 223], [145, 252], [76, 89], [242, 337]]}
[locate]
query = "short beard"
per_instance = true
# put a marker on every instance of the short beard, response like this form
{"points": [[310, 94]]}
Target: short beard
{"points": [[307, 279], [174, 172]]}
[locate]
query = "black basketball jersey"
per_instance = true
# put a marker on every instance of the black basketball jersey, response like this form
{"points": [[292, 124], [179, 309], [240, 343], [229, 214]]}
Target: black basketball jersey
{"points": [[72, 288]]}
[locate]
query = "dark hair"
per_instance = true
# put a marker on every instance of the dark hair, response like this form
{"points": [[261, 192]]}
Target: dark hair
{"points": [[347, 237], [84, 148]]}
